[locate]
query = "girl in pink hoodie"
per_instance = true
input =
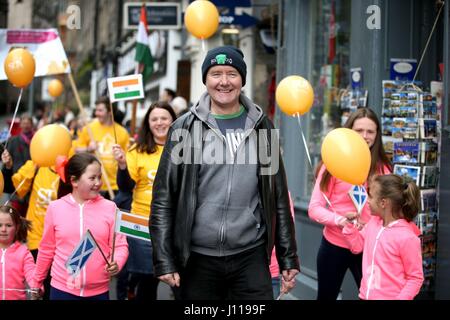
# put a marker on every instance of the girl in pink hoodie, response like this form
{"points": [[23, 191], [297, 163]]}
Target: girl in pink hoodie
{"points": [[392, 254], [334, 257], [16, 261], [66, 222]]}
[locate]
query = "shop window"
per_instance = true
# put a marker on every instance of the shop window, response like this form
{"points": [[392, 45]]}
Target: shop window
{"points": [[330, 71]]}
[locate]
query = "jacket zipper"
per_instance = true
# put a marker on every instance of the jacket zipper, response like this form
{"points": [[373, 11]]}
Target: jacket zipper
{"points": [[373, 257], [3, 274], [83, 276]]}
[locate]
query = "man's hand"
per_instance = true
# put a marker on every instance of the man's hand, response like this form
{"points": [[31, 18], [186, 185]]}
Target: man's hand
{"points": [[288, 280], [172, 279]]}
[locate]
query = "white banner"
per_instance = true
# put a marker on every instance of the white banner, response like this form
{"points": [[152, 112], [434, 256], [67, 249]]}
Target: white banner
{"points": [[44, 44]]}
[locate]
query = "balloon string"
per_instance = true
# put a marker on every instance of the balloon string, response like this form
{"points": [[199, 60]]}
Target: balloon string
{"points": [[304, 140], [203, 45], [15, 191], [297, 115], [14, 117]]}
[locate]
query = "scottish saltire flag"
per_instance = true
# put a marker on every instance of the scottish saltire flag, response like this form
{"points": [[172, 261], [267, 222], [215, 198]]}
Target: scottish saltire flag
{"points": [[80, 254], [132, 225], [358, 195]]}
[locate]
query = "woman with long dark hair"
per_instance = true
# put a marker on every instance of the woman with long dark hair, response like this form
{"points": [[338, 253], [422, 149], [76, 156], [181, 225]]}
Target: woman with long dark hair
{"points": [[137, 170]]}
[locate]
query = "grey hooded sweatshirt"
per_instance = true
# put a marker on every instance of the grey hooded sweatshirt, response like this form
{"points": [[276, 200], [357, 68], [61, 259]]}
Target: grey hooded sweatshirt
{"points": [[227, 218]]}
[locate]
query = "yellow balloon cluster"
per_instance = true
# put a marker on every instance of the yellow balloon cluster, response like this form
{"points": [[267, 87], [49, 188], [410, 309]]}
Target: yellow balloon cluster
{"points": [[346, 156], [201, 19], [55, 88], [20, 67], [49, 142], [294, 95]]}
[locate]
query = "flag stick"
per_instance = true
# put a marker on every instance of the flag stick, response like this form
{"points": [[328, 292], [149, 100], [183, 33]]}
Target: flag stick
{"points": [[112, 119], [91, 136], [133, 118], [99, 248]]}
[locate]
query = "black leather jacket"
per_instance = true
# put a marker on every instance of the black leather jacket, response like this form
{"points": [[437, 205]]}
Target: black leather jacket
{"points": [[174, 203]]}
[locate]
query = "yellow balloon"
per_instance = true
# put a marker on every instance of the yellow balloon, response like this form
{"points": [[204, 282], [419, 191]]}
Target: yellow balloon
{"points": [[294, 95], [55, 88], [20, 67], [2, 183], [201, 19], [49, 142], [346, 156]]}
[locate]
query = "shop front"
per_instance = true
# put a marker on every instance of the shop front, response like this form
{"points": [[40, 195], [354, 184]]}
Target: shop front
{"points": [[365, 54]]}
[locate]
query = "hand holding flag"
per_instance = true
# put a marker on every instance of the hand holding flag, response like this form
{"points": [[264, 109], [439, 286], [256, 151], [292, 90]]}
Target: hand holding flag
{"points": [[358, 195]]}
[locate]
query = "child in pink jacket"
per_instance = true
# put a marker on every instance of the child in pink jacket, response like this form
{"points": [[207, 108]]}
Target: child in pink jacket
{"points": [[392, 255], [334, 257], [16, 261], [66, 222]]}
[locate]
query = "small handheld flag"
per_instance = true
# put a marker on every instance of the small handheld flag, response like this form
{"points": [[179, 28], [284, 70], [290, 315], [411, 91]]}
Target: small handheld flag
{"points": [[80, 254], [132, 225], [358, 195], [126, 88]]}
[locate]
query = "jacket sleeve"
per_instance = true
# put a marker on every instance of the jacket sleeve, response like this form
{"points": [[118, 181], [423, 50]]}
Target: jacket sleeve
{"points": [[46, 250], [163, 209], [411, 255], [28, 267], [24, 178], [124, 180], [285, 241], [120, 246], [7, 180], [318, 209], [354, 237]]}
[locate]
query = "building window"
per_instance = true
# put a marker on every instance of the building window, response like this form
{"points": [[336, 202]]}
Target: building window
{"points": [[330, 71]]}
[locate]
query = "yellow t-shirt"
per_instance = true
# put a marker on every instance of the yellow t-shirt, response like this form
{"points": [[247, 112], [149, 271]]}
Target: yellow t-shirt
{"points": [[142, 169], [44, 189], [104, 136]]}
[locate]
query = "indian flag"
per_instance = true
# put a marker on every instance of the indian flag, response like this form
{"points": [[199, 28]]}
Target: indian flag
{"points": [[126, 88], [143, 54], [132, 225]]}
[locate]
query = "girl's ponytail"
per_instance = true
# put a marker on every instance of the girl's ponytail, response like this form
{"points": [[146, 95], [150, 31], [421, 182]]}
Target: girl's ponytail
{"points": [[411, 196]]}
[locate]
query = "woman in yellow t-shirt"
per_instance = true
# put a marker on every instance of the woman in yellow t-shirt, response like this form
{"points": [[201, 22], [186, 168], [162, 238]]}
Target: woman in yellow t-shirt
{"points": [[137, 170]]}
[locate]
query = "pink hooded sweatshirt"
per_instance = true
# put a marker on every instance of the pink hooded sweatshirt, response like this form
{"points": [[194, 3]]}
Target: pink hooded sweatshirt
{"points": [[341, 204], [16, 267], [66, 222], [392, 259]]}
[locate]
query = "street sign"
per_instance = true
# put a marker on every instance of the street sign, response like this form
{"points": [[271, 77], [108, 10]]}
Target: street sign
{"points": [[232, 3], [244, 21], [162, 16]]}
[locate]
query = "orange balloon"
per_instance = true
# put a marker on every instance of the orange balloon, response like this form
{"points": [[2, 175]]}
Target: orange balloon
{"points": [[20, 67], [201, 19], [2, 183], [294, 95], [346, 156], [48, 143], [55, 88]]}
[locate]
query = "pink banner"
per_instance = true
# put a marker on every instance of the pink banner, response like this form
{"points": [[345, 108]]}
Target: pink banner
{"points": [[15, 36]]}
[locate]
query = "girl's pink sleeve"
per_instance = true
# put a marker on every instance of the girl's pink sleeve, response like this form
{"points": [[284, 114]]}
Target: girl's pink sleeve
{"points": [[46, 251], [318, 208], [354, 237], [120, 248], [411, 255], [28, 267]]}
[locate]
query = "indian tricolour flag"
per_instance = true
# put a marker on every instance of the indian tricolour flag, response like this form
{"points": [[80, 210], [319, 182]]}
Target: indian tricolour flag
{"points": [[126, 88], [132, 225]]}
